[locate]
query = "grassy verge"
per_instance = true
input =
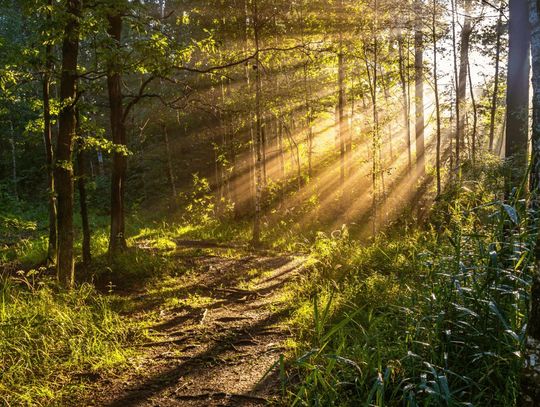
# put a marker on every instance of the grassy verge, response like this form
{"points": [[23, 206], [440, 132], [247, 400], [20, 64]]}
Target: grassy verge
{"points": [[433, 317], [52, 342]]}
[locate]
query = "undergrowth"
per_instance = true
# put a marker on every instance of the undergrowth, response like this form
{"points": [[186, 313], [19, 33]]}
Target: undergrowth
{"points": [[52, 342], [432, 317]]}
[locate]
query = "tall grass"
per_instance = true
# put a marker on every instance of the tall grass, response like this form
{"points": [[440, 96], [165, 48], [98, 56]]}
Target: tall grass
{"points": [[51, 340], [429, 318]]}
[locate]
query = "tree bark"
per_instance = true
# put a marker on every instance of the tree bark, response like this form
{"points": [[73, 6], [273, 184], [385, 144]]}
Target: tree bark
{"points": [[437, 99], [63, 171], [14, 177], [517, 96], [341, 110], [47, 140], [419, 86], [117, 240], [463, 77], [258, 133], [474, 134], [169, 161], [83, 201], [403, 78], [495, 96]]}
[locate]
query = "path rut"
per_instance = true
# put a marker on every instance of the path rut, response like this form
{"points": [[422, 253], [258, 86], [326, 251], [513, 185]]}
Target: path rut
{"points": [[223, 348]]}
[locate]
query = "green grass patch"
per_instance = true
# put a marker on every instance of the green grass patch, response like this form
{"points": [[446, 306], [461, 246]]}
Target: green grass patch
{"points": [[51, 340]]}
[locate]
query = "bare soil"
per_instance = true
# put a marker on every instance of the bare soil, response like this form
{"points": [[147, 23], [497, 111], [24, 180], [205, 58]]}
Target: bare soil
{"points": [[222, 347]]}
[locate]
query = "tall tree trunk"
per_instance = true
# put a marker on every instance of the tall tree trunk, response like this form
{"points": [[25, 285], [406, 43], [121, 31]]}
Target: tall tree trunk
{"points": [[463, 76], [281, 150], [456, 85], [403, 79], [341, 110], [169, 160], [117, 239], [474, 137], [83, 201], [517, 96], [309, 126], [437, 99], [63, 171], [530, 379], [14, 177], [47, 140], [419, 86], [495, 96], [258, 132]]}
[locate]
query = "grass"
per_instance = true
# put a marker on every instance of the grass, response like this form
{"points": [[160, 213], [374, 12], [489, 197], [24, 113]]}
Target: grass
{"points": [[430, 318], [52, 342]]}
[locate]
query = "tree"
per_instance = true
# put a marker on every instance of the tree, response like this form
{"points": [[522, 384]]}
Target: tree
{"points": [[47, 139], [530, 380], [517, 95], [419, 86], [63, 171], [117, 239], [258, 130], [461, 95]]}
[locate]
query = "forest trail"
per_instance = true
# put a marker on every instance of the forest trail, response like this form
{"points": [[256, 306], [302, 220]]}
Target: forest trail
{"points": [[220, 345]]}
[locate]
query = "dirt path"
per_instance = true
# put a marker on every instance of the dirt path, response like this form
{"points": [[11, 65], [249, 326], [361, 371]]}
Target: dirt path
{"points": [[219, 340]]}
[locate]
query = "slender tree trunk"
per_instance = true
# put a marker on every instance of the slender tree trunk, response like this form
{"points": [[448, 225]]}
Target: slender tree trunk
{"points": [[264, 148], [495, 96], [437, 99], [47, 140], [117, 240], [309, 126], [81, 186], [281, 150], [341, 109], [63, 172], [517, 96], [258, 133], [456, 85], [463, 74], [14, 176], [405, 99], [475, 119], [419, 86], [169, 161]]}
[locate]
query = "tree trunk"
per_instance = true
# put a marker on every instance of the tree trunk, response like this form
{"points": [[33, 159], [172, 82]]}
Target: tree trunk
{"points": [[456, 84], [419, 86], [463, 77], [14, 177], [63, 172], [437, 99], [517, 96], [495, 96], [47, 140], [341, 109], [475, 119], [530, 379], [403, 75], [169, 161], [117, 240], [258, 133], [81, 186]]}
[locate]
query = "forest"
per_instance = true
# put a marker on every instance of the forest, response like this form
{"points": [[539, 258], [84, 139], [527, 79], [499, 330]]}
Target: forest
{"points": [[270, 203]]}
